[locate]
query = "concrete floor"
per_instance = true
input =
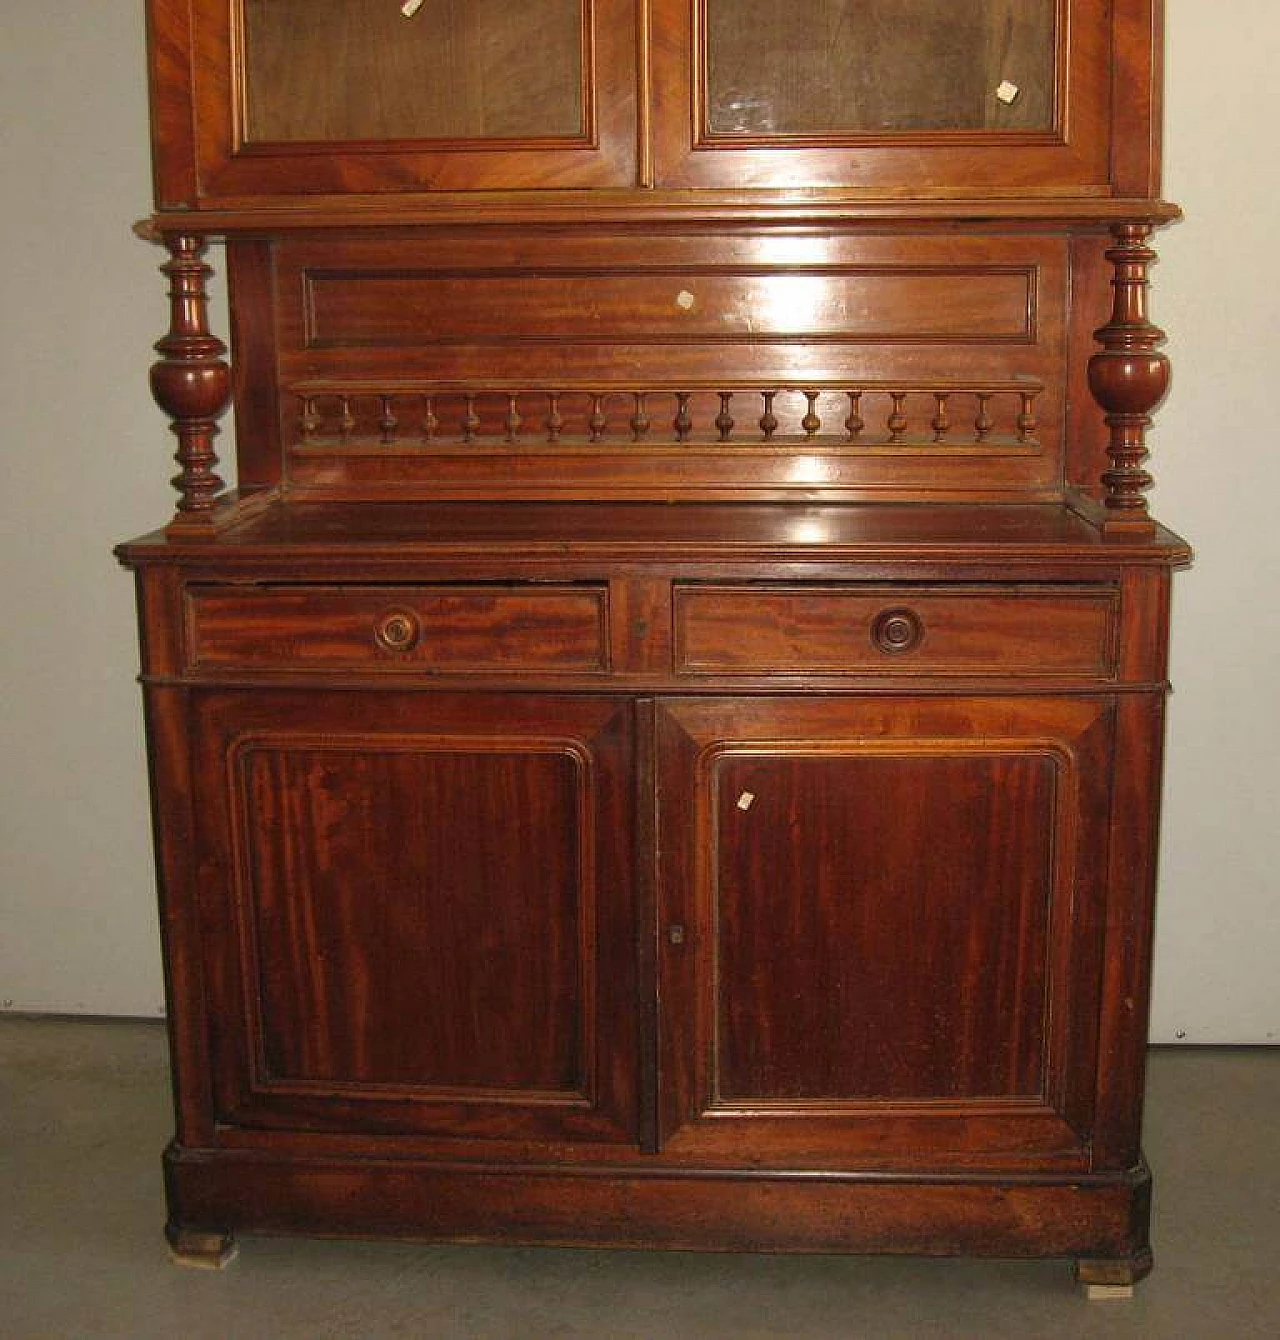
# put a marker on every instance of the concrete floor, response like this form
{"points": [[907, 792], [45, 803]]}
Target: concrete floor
{"points": [[84, 1115]]}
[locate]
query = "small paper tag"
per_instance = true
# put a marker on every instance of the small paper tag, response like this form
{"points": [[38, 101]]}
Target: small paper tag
{"points": [[410, 8], [1008, 93], [746, 800]]}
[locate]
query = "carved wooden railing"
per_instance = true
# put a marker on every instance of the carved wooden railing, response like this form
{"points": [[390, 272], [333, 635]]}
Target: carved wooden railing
{"points": [[869, 415], [1128, 378]]}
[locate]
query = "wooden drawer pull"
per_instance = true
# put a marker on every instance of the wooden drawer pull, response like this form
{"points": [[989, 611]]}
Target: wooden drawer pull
{"points": [[897, 631], [397, 630]]}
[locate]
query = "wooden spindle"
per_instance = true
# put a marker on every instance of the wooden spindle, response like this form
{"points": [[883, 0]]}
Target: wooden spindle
{"points": [[640, 422], [192, 382], [724, 420], [683, 423], [387, 422], [310, 422], [470, 418], [1027, 424], [1128, 379], [430, 424], [346, 418], [811, 423], [597, 421], [897, 423], [555, 422], [513, 417], [942, 418], [855, 423], [984, 423], [768, 420]]}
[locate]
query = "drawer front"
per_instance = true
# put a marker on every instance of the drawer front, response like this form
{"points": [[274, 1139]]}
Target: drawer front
{"points": [[431, 629], [896, 630]]}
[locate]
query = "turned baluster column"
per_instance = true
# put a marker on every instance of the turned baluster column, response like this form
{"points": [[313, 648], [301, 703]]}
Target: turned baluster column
{"points": [[192, 383], [1128, 379]]}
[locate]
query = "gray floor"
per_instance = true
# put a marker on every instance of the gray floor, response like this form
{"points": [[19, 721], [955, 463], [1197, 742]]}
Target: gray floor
{"points": [[83, 1116]]}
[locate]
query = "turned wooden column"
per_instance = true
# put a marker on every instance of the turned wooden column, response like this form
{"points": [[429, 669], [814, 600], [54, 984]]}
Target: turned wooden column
{"points": [[192, 383], [1128, 378]]}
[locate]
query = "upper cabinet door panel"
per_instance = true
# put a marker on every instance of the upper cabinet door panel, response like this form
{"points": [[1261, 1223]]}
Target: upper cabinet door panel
{"points": [[938, 97], [345, 96], [819, 68], [480, 70]]}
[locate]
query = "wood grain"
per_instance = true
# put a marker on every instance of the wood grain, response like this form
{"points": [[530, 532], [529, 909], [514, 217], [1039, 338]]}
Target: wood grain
{"points": [[933, 847], [424, 918], [848, 934], [458, 628], [968, 630], [384, 943]]}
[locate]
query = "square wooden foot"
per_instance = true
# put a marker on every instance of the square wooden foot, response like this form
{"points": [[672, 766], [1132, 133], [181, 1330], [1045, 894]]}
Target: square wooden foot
{"points": [[1112, 1280], [199, 1250], [1103, 1293]]}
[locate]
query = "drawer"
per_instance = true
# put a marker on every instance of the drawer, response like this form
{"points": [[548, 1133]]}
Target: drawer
{"points": [[935, 630], [422, 629]]}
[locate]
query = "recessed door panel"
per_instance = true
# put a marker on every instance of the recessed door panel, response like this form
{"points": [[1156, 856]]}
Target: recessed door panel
{"points": [[827, 67], [881, 922], [448, 69], [880, 918], [425, 918], [394, 941]]}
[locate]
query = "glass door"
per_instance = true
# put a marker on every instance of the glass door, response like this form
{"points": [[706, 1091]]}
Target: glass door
{"points": [[823, 68], [380, 70], [299, 97], [945, 96]]}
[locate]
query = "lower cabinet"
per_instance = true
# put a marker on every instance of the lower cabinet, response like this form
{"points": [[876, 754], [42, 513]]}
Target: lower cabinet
{"points": [[845, 932]]}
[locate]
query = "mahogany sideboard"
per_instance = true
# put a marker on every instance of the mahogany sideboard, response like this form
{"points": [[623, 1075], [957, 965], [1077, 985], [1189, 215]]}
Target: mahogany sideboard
{"points": [[660, 743]]}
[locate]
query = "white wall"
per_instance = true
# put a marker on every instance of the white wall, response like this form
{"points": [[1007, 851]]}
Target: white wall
{"points": [[85, 462], [83, 465], [1216, 457]]}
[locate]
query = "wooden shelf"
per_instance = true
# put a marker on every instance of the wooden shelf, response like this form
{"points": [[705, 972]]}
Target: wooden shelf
{"points": [[681, 531]]}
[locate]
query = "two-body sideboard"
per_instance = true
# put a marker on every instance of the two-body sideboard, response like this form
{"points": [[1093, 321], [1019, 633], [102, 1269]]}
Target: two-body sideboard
{"points": [[661, 743]]}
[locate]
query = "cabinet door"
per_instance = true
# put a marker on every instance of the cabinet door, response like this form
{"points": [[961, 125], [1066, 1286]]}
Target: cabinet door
{"points": [[880, 925], [417, 913], [296, 97], [932, 96]]}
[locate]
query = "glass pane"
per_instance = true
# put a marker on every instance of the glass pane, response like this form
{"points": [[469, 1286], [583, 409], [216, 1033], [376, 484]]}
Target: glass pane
{"points": [[334, 70], [847, 67]]}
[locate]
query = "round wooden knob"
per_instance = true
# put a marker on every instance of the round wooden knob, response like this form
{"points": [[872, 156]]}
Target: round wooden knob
{"points": [[397, 630], [896, 631]]}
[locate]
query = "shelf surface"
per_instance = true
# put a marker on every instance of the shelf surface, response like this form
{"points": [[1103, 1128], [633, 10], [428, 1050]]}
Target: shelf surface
{"points": [[674, 532]]}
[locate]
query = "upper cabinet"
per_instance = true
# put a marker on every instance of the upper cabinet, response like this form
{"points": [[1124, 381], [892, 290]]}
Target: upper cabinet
{"points": [[880, 98]]}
